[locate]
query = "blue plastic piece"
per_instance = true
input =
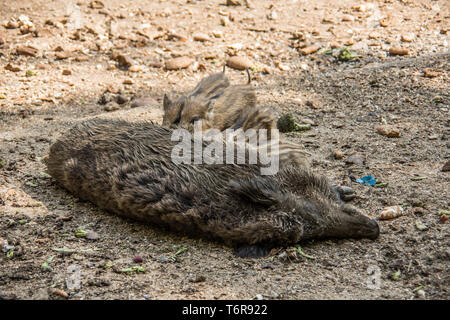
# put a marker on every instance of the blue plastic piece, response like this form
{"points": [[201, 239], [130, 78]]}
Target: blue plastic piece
{"points": [[367, 180]]}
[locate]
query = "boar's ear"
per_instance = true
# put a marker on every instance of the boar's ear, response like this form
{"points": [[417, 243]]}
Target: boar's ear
{"points": [[166, 102], [258, 190]]}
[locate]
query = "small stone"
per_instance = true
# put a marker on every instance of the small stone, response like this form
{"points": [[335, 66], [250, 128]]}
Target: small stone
{"points": [[431, 73], [96, 4], [384, 22], [111, 107], [282, 66], [446, 167], [142, 102], [62, 55], [348, 18], [92, 235], [198, 278], [201, 37], [138, 259], [66, 72], [443, 218], [217, 33], [396, 51], [60, 292], [391, 213], [421, 294], [124, 62], [155, 64], [309, 50], [12, 68], [179, 63], [356, 158], [388, 131], [239, 63], [27, 51], [259, 297], [128, 81], [121, 99], [408, 37], [337, 154], [136, 68], [11, 24], [81, 58], [234, 3]]}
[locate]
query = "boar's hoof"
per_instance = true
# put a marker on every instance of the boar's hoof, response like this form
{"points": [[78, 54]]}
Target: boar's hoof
{"points": [[345, 193], [253, 251]]}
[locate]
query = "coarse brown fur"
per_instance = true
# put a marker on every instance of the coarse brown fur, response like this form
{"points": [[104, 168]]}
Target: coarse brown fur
{"points": [[126, 168]]}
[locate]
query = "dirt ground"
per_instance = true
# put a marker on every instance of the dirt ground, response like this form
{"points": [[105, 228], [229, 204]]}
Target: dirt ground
{"points": [[84, 48]]}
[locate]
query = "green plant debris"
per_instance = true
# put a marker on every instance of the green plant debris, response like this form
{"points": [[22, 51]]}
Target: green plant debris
{"points": [[396, 275], [134, 269], [381, 185], [420, 226], [31, 184], [10, 254], [22, 221], [43, 174], [417, 288], [286, 123], [80, 233], [108, 265], [2, 96], [346, 55], [45, 265], [30, 73], [446, 212], [418, 178], [300, 252], [181, 250], [69, 251]]}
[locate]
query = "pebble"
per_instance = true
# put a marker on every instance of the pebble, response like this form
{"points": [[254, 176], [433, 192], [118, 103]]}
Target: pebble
{"points": [[136, 68], [27, 51], [155, 64], [446, 167], [259, 297], [337, 154], [96, 4], [179, 63], [217, 33], [396, 51], [443, 218], [62, 55], [12, 68], [408, 37], [60, 292], [309, 50], [356, 158], [239, 63], [201, 37], [420, 293], [111, 107], [138, 259], [142, 102], [431, 73], [66, 72], [391, 213], [124, 61], [233, 3], [388, 131], [92, 235], [81, 58], [128, 81], [121, 99]]}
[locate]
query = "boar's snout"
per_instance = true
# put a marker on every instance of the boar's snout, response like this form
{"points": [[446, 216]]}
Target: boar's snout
{"points": [[374, 229]]}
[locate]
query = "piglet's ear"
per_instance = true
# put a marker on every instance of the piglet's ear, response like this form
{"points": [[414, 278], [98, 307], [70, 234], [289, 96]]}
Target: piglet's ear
{"points": [[258, 190], [166, 102]]}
